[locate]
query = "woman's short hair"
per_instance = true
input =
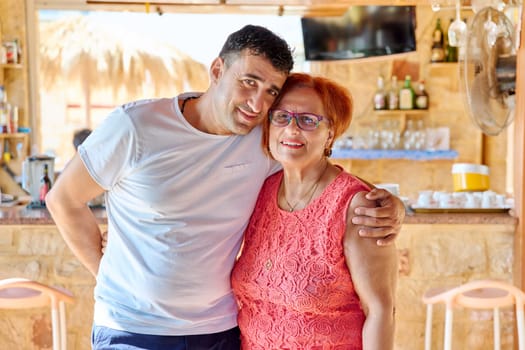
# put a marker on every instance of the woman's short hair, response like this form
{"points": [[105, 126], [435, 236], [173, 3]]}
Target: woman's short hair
{"points": [[336, 99]]}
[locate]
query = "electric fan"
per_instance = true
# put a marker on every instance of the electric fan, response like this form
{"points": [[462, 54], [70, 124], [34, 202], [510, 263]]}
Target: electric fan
{"points": [[488, 71]]}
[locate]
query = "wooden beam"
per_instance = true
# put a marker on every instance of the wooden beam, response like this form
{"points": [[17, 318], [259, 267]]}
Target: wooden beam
{"points": [[285, 7], [519, 156]]}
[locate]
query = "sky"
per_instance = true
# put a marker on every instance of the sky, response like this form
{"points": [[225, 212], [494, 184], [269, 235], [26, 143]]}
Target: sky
{"points": [[198, 35]]}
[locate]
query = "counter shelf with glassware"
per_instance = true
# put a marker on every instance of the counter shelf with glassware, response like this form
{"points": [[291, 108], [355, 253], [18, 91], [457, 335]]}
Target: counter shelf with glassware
{"points": [[339, 153]]}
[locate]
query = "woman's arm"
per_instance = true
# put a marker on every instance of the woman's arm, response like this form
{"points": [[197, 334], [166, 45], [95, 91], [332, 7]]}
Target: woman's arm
{"points": [[374, 274]]}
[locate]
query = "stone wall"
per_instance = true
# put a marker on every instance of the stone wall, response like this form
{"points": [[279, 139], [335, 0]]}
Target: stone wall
{"points": [[442, 83], [430, 255], [447, 109], [436, 255], [39, 253]]}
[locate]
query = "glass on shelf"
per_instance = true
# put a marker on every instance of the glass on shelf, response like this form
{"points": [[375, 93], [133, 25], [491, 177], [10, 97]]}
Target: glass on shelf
{"points": [[389, 134], [344, 143], [414, 136]]}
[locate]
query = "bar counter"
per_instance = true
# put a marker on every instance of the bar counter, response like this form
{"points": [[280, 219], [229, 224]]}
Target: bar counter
{"points": [[434, 249], [21, 215]]}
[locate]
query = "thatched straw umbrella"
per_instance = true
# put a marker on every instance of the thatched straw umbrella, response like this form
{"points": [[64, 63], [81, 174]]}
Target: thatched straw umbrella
{"points": [[96, 55]]}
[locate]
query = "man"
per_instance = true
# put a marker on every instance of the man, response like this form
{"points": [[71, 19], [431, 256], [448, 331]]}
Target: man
{"points": [[182, 176]]}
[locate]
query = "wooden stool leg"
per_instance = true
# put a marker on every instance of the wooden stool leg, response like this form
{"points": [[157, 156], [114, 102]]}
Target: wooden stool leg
{"points": [[55, 328], [63, 328], [521, 326], [497, 334], [428, 328], [448, 328]]}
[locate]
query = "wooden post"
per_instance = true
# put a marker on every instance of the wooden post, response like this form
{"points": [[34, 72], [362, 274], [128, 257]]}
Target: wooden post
{"points": [[519, 157]]}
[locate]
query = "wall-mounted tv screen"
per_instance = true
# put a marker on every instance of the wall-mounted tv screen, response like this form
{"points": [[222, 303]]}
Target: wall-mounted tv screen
{"points": [[362, 31]]}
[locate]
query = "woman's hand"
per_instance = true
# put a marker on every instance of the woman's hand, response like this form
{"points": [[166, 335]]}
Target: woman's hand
{"points": [[382, 222]]}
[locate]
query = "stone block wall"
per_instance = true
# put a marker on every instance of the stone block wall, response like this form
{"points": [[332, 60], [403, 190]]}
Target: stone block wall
{"points": [[437, 255], [39, 253], [447, 109], [430, 255], [442, 83]]}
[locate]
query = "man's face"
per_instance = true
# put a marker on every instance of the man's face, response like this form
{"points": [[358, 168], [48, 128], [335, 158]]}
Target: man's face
{"points": [[244, 91]]}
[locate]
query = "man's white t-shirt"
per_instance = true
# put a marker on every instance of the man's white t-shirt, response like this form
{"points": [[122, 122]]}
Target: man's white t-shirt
{"points": [[178, 202]]}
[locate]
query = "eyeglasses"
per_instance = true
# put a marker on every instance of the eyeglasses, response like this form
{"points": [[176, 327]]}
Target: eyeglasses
{"points": [[305, 121]]}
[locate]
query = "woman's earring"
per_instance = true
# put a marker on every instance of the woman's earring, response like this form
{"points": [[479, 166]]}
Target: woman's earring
{"points": [[327, 152]]}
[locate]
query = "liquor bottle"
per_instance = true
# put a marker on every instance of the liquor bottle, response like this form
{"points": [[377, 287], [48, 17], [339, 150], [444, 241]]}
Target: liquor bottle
{"points": [[438, 47], [393, 94], [3, 52], [3, 110], [6, 156], [421, 96], [380, 95], [45, 186], [406, 95], [18, 51]]}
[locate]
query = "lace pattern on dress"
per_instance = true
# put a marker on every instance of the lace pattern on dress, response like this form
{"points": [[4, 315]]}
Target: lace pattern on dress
{"points": [[292, 283]]}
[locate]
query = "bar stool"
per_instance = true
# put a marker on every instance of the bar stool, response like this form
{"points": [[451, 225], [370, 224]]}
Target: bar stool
{"points": [[480, 294], [21, 293]]}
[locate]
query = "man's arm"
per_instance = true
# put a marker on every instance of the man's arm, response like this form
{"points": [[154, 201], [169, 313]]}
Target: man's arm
{"points": [[67, 203], [382, 222]]}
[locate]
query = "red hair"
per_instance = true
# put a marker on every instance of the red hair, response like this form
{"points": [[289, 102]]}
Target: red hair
{"points": [[336, 99]]}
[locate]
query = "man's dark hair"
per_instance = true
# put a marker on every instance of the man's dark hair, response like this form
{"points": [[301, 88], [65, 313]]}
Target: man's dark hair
{"points": [[259, 41]]}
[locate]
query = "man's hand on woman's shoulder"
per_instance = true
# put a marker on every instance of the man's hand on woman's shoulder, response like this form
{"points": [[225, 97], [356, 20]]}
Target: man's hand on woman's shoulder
{"points": [[382, 222]]}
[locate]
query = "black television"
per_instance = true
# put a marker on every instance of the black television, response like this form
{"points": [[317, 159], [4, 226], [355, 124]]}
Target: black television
{"points": [[362, 31]]}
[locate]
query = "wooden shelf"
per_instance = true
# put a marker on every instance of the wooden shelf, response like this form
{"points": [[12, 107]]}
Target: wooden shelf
{"points": [[401, 115], [18, 145], [442, 64], [12, 66], [402, 112], [16, 135]]}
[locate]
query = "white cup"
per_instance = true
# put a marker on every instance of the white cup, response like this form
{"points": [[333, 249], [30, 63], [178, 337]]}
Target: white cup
{"points": [[446, 200], [459, 199], [472, 201], [500, 201], [392, 188], [488, 199], [425, 199]]}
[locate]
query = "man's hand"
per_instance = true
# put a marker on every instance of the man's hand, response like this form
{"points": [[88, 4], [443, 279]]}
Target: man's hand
{"points": [[382, 222], [104, 242]]}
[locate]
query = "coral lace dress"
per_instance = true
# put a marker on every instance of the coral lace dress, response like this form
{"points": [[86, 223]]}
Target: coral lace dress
{"points": [[291, 282]]}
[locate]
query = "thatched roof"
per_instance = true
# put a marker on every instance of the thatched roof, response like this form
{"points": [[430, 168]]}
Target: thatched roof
{"points": [[93, 53]]}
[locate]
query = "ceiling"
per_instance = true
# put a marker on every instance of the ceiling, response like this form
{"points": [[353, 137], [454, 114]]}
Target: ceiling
{"points": [[276, 7]]}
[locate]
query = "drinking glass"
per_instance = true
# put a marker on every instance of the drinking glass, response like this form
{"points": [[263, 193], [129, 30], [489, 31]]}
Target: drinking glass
{"points": [[457, 31], [491, 28]]}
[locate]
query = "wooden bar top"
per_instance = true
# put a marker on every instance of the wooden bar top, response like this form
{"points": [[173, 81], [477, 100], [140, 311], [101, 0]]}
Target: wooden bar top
{"points": [[460, 218], [21, 215]]}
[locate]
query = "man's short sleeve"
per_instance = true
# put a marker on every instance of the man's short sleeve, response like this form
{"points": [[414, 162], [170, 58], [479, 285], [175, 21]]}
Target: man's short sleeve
{"points": [[111, 149]]}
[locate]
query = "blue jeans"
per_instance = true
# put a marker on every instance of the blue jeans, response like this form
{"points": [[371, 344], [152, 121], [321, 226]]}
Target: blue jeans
{"points": [[103, 338]]}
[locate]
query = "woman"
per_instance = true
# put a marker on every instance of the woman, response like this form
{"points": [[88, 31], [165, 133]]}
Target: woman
{"points": [[305, 280]]}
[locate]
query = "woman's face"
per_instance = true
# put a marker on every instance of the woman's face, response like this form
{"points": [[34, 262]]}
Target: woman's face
{"points": [[290, 144]]}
